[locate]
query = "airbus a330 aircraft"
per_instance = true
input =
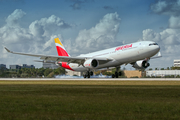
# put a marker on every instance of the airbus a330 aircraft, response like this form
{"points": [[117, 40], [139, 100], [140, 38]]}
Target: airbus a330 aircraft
{"points": [[138, 54]]}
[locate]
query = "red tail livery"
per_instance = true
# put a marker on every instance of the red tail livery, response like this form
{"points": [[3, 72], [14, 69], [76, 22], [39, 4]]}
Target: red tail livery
{"points": [[60, 48]]}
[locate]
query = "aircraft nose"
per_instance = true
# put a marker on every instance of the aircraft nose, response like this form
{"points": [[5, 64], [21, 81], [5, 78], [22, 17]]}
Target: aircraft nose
{"points": [[157, 48]]}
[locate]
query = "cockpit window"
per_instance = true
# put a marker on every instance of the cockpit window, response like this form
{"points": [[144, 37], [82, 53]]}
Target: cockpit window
{"points": [[153, 44]]}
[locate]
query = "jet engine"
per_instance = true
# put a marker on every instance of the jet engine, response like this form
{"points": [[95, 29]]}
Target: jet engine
{"points": [[91, 63], [142, 64]]}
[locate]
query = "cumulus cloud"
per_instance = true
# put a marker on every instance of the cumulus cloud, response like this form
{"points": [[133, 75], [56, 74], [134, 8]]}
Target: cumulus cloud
{"points": [[101, 36], [47, 26], [166, 7], [38, 37], [12, 32], [12, 20], [149, 35], [171, 35], [169, 38], [35, 39], [174, 22], [169, 41]]}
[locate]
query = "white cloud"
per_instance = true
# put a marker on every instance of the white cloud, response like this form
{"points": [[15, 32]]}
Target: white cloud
{"points": [[150, 35], [38, 38], [169, 44], [159, 6], [169, 38], [12, 20], [101, 36], [35, 39], [174, 22], [166, 7], [47, 26], [165, 38], [171, 35], [12, 32]]}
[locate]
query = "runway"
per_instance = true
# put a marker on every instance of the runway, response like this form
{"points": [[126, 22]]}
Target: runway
{"points": [[93, 79]]}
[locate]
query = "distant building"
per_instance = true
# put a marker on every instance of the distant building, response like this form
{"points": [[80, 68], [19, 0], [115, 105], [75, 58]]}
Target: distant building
{"points": [[21, 66], [162, 73], [132, 73], [176, 63], [14, 67], [71, 73], [27, 66], [50, 66], [2, 66]]}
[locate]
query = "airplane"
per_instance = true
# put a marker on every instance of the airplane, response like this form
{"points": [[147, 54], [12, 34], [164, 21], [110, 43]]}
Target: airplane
{"points": [[137, 54]]}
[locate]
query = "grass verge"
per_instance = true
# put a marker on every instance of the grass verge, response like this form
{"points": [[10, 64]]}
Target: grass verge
{"points": [[89, 101]]}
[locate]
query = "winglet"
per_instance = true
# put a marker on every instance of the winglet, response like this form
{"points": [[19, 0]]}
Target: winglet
{"points": [[8, 50], [158, 56]]}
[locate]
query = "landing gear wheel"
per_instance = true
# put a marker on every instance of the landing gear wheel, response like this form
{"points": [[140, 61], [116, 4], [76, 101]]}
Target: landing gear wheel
{"points": [[88, 76], [91, 73], [84, 76], [116, 74], [120, 73]]}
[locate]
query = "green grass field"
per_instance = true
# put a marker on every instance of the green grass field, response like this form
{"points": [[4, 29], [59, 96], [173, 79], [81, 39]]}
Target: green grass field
{"points": [[81, 100]]}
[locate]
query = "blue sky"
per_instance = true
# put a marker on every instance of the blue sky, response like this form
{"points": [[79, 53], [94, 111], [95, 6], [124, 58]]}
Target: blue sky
{"points": [[86, 26]]}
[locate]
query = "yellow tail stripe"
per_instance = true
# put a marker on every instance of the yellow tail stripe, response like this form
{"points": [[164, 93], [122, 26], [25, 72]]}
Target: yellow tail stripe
{"points": [[58, 41]]}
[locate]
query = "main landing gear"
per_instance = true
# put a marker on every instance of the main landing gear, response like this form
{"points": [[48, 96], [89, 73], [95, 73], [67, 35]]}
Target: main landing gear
{"points": [[117, 74], [88, 74]]}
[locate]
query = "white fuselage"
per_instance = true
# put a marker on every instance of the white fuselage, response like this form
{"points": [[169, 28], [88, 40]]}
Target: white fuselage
{"points": [[121, 55]]}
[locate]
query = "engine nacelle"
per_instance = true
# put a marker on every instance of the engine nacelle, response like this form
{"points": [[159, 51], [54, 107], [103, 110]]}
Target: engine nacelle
{"points": [[142, 64], [91, 63]]}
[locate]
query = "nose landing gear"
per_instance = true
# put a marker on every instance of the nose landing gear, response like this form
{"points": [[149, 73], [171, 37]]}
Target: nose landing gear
{"points": [[117, 74]]}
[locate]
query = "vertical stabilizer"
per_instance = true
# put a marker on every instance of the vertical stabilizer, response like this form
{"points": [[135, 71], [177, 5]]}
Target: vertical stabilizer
{"points": [[60, 48]]}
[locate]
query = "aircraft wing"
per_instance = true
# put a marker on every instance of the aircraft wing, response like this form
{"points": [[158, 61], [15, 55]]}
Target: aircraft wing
{"points": [[78, 60]]}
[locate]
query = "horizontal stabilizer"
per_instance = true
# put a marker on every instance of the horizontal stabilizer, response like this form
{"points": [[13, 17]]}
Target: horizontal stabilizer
{"points": [[44, 61]]}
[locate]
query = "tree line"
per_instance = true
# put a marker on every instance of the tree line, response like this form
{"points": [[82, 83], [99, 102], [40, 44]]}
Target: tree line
{"points": [[168, 68], [31, 72], [50, 73]]}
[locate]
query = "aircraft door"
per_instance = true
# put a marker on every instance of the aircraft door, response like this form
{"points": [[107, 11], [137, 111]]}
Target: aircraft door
{"points": [[140, 49]]}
